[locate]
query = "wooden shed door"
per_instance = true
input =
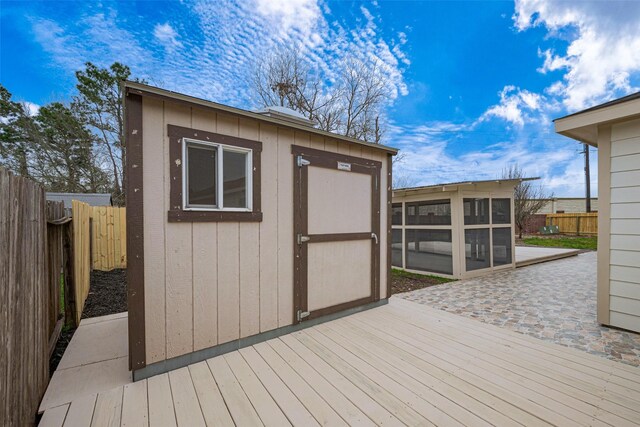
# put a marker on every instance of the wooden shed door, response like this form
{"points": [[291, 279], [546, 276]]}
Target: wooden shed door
{"points": [[336, 232]]}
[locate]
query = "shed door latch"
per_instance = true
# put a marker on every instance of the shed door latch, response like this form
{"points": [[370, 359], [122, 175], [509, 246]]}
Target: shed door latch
{"points": [[303, 239], [302, 162], [301, 315]]}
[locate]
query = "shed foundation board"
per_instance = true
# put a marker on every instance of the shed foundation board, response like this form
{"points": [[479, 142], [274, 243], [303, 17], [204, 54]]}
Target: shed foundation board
{"points": [[399, 364]]}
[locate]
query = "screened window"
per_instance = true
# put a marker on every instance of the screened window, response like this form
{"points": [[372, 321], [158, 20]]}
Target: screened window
{"points": [[501, 211], [501, 246], [432, 212], [477, 249], [430, 250], [396, 217], [212, 170], [476, 211], [396, 247]]}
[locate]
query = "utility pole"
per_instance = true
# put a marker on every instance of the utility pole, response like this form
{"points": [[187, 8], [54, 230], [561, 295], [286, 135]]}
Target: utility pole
{"points": [[587, 177]]}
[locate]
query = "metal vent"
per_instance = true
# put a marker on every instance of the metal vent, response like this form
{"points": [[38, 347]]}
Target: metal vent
{"points": [[286, 114]]}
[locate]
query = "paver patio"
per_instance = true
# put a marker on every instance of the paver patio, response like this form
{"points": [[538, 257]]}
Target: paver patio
{"points": [[554, 301]]}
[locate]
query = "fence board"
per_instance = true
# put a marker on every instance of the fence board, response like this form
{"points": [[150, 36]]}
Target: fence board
{"points": [[81, 252], [109, 238], [28, 311], [575, 223]]}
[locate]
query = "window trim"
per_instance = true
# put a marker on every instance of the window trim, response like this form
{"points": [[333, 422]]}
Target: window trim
{"points": [[220, 149], [178, 212]]}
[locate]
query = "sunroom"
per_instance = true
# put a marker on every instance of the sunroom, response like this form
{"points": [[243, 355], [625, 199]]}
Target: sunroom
{"points": [[454, 230]]}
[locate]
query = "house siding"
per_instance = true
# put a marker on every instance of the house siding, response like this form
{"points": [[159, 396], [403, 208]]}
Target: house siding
{"points": [[624, 240], [211, 283]]}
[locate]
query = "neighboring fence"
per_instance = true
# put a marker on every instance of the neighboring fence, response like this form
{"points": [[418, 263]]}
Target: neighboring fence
{"points": [[30, 266], [534, 223], [81, 255], [581, 224], [108, 238]]}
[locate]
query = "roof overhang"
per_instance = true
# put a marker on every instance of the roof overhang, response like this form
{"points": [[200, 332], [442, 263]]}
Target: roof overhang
{"points": [[583, 125], [456, 186], [156, 92]]}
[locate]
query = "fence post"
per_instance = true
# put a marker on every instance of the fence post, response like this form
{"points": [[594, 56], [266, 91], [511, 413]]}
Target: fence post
{"points": [[577, 225], [69, 283]]}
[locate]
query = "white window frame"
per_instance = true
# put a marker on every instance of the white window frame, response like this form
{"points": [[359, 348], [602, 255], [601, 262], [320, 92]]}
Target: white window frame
{"points": [[220, 149]]}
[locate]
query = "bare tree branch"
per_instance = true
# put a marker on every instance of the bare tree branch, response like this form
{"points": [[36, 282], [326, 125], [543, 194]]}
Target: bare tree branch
{"points": [[528, 198]]}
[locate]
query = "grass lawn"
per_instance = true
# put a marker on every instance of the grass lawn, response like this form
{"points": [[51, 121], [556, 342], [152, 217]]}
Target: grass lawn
{"points": [[403, 281], [569, 242]]}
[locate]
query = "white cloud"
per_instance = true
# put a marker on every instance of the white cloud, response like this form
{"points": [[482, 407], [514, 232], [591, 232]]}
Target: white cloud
{"points": [[603, 52], [515, 106], [219, 50], [167, 36], [97, 38]]}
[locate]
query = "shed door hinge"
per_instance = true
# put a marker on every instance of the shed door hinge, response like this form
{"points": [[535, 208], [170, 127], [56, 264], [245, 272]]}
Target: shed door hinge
{"points": [[301, 315], [302, 162]]}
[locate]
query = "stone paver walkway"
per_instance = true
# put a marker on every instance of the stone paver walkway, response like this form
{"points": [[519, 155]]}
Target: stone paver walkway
{"points": [[553, 301]]}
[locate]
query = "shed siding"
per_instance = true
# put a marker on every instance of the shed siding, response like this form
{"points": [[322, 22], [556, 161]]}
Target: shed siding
{"points": [[624, 260], [211, 283]]}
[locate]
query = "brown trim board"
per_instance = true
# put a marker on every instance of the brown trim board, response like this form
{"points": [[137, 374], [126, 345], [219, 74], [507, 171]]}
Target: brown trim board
{"points": [[176, 213], [389, 219], [135, 231]]}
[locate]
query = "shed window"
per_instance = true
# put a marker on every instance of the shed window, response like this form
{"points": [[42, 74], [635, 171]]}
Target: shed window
{"points": [[201, 176], [216, 169]]}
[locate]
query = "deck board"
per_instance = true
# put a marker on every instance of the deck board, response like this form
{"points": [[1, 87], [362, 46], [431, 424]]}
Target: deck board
{"points": [[400, 364]]}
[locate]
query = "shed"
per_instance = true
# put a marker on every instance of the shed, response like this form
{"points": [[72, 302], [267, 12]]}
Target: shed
{"points": [[455, 230], [244, 225], [614, 128]]}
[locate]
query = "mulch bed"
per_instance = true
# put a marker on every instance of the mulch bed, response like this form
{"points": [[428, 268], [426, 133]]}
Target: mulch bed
{"points": [[401, 283], [107, 295]]}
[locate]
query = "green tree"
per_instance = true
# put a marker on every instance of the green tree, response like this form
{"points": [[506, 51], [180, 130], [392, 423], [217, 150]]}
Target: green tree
{"points": [[16, 127], [99, 101], [65, 160]]}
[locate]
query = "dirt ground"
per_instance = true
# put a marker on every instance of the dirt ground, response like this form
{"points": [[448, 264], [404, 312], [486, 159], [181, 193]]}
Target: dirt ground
{"points": [[107, 295], [402, 281]]}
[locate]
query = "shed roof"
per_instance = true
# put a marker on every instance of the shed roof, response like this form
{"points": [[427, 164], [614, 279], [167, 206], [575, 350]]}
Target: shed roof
{"points": [[153, 91], [92, 199], [583, 125], [453, 186]]}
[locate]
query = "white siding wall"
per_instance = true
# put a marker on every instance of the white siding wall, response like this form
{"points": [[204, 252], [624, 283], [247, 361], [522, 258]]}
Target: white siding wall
{"points": [[210, 283], [624, 303]]}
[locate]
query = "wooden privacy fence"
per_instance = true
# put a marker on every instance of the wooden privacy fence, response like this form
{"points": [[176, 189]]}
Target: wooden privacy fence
{"points": [[108, 238], [585, 224], [31, 264]]}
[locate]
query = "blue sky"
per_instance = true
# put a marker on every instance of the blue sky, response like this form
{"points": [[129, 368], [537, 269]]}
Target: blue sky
{"points": [[475, 84]]}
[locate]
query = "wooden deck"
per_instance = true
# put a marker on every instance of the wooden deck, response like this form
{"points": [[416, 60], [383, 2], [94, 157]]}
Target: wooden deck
{"points": [[400, 364]]}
